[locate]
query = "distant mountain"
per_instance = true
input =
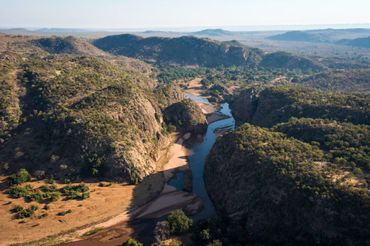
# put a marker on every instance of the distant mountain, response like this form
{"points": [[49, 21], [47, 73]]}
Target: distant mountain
{"points": [[299, 36], [69, 45], [359, 42], [213, 32], [322, 36], [186, 50]]}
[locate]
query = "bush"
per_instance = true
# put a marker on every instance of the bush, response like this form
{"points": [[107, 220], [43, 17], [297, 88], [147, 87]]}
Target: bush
{"points": [[20, 177], [48, 188], [25, 213], [205, 235], [179, 222], [132, 242], [20, 191], [76, 192], [52, 196], [16, 209], [36, 196]]}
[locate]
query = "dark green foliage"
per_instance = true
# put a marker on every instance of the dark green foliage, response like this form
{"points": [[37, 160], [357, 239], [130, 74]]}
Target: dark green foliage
{"points": [[26, 213], [49, 193], [132, 242], [20, 177], [273, 189], [82, 113], [179, 222], [344, 143], [77, 192], [16, 209], [204, 235], [17, 191], [344, 80], [168, 74], [274, 105]]}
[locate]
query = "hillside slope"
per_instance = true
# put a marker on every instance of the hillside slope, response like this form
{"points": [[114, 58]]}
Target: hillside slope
{"points": [[271, 189]]}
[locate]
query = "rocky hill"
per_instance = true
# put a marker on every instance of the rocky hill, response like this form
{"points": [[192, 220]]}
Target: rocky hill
{"points": [[272, 189], [181, 51], [189, 50], [67, 45], [283, 60], [271, 105], [73, 116], [186, 116]]}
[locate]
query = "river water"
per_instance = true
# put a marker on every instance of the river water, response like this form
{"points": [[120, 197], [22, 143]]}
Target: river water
{"points": [[198, 158]]}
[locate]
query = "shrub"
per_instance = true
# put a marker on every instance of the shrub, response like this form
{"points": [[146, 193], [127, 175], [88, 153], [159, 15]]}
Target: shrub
{"points": [[20, 191], [179, 222], [48, 188], [76, 192], [205, 235], [132, 242], [26, 213], [16, 209], [36, 196], [20, 177]]}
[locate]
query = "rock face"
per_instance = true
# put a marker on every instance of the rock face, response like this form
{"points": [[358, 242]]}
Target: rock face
{"points": [[186, 116], [266, 107], [271, 189]]}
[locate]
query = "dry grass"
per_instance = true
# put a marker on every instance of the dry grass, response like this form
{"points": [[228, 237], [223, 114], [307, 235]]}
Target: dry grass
{"points": [[104, 202]]}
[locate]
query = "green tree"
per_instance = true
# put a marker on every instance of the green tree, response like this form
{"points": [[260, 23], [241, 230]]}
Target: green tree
{"points": [[179, 222]]}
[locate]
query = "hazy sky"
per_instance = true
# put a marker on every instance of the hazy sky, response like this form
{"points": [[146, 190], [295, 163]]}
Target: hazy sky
{"points": [[180, 13]]}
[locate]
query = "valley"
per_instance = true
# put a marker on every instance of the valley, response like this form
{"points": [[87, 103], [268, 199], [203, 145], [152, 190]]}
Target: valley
{"points": [[186, 139]]}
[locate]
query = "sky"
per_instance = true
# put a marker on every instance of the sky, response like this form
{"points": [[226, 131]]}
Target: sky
{"points": [[155, 14]]}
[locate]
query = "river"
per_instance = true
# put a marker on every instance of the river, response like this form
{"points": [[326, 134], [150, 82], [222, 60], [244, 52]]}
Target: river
{"points": [[197, 159]]}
